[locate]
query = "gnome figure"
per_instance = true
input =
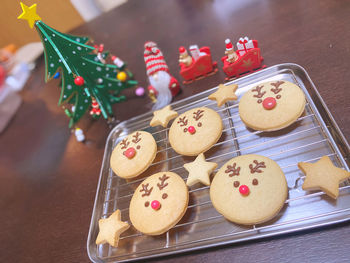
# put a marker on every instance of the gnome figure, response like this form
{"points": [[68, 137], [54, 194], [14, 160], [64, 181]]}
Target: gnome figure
{"points": [[230, 52], [158, 74], [184, 57]]}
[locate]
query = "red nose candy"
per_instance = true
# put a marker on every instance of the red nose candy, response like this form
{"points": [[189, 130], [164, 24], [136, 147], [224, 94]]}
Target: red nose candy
{"points": [[130, 153], [192, 130], [244, 190], [269, 103], [155, 205]]}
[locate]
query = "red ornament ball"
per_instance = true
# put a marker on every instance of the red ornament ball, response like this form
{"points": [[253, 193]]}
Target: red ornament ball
{"points": [[79, 81], [191, 130], [269, 103], [244, 190], [155, 205]]}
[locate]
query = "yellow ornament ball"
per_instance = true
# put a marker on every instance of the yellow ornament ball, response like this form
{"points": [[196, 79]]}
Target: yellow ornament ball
{"points": [[122, 76]]}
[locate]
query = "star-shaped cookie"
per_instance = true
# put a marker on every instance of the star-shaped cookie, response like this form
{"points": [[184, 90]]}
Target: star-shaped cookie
{"points": [[323, 175], [224, 94], [163, 116], [110, 229], [199, 170]]}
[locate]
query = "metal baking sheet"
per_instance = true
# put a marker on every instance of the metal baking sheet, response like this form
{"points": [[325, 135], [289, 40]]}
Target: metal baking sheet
{"points": [[313, 135]]}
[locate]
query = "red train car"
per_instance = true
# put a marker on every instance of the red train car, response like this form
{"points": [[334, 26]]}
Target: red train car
{"points": [[199, 68], [250, 61]]}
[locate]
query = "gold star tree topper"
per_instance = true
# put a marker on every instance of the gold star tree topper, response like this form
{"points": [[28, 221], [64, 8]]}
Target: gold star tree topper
{"points": [[29, 14], [323, 175], [224, 94]]}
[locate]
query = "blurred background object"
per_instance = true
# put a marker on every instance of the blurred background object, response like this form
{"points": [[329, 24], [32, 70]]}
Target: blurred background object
{"points": [[75, 13]]}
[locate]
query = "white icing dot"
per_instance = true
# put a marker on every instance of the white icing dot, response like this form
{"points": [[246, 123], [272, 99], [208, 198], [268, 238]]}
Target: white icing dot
{"points": [[107, 68], [59, 60], [109, 85], [64, 96], [96, 59], [79, 48], [69, 86], [86, 101], [81, 107], [98, 68], [52, 65], [78, 39], [83, 63], [73, 52], [107, 75], [53, 35], [119, 84], [45, 39]]}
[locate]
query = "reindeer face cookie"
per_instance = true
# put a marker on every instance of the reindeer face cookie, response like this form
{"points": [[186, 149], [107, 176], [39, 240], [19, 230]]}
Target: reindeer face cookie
{"points": [[249, 189], [158, 203], [195, 131], [133, 154], [272, 106]]}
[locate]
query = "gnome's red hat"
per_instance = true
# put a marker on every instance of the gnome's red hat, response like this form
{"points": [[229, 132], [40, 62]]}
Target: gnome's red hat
{"points": [[154, 59]]}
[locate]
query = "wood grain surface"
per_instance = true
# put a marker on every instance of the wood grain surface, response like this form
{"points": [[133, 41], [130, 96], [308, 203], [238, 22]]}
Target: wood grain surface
{"points": [[49, 181]]}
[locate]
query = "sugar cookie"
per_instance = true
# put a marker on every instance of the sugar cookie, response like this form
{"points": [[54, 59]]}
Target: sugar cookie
{"points": [[158, 203], [224, 94], [323, 175], [163, 116], [195, 131], [110, 229], [249, 189], [133, 154], [272, 106], [199, 170]]}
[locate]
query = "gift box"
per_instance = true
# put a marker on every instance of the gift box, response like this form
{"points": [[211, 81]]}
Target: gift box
{"points": [[243, 45]]}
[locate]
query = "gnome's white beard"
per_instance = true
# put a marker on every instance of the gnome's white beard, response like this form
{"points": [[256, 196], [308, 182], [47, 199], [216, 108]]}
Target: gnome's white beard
{"points": [[161, 84]]}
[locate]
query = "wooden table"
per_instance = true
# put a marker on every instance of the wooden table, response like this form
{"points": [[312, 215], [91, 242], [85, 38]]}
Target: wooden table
{"points": [[48, 180]]}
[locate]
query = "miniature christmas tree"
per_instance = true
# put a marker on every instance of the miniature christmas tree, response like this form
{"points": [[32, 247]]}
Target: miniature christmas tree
{"points": [[86, 77]]}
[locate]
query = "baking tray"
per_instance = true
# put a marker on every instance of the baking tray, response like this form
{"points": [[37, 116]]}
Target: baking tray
{"points": [[313, 135]]}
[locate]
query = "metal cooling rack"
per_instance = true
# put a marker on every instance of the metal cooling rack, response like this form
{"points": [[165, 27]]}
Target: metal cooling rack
{"points": [[312, 136]]}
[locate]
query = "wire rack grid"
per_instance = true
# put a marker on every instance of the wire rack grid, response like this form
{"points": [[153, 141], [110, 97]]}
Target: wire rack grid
{"points": [[307, 140]]}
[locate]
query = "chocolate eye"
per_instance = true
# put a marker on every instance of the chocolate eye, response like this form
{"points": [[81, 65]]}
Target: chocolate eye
{"points": [[165, 195], [138, 147], [146, 204], [185, 130], [278, 96], [236, 184], [255, 181], [199, 124], [259, 100]]}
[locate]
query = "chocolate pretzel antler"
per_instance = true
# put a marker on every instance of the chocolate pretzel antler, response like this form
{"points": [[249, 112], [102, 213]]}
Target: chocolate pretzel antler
{"points": [[136, 137], [146, 190], [258, 90], [276, 85], [198, 114], [183, 121], [255, 169], [124, 143], [232, 170], [162, 183]]}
